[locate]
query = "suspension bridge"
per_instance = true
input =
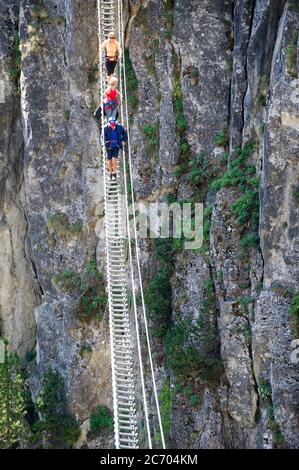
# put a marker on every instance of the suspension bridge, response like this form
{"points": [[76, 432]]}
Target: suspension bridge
{"points": [[137, 418]]}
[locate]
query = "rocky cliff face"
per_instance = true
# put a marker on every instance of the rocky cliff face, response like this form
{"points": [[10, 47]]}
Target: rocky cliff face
{"points": [[213, 78]]}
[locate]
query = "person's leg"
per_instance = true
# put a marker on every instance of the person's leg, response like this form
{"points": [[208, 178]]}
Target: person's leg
{"points": [[113, 66], [114, 160], [114, 111], [109, 161], [114, 164], [108, 113], [110, 65]]}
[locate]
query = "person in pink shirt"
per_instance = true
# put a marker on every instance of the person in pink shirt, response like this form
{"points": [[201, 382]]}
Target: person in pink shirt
{"points": [[110, 98]]}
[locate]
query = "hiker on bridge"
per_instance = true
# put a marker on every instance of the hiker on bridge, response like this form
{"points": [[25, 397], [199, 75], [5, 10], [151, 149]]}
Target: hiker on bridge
{"points": [[110, 98], [115, 136], [113, 53]]}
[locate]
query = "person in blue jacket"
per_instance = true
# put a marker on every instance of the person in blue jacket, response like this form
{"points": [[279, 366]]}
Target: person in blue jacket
{"points": [[115, 137]]}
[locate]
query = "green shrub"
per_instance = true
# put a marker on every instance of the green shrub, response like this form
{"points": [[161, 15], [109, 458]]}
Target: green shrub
{"points": [[14, 68], [165, 409], [207, 214], [194, 400], [183, 356], [238, 173], [277, 435], [246, 206], [185, 148], [291, 55], [250, 239], [58, 429], [30, 355], [265, 390], [170, 198], [66, 280], [12, 402], [262, 128], [294, 315], [151, 132], [247, 332], [59, 224], [263, 90], [131, 83], [180, 122], [294, 5], [182, 339], [221, 138], [77, 226], [229, 63], [158, 301], [67, 115], [90, 287], [39, 11], [270, 412], [197, 169], [101, 420], [94, 297], [201, 173]]}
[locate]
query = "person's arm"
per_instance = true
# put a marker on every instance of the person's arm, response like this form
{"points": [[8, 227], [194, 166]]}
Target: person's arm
{"points": [[124, 136], [106, 138], [105, 94], [120, 52], [103, 45], [119, 94]]}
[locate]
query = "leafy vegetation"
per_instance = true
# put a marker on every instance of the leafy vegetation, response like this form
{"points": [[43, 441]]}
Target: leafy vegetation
{"points": [[183, 338], [294, 315], [14, 69], [30, 355], [246, 206], [265, 390], [291, 55], [165, 398], [56, 428], [221, 138], [238, 172], [66, 280], [178, 103], [66, 115], [263, 90], [39, 11], [59, 224], [201, 173], [101, 420], [12, 401], [168, 14], [294, 5], [131, 82], [152, 134], [90, 286], [93, 293], [183, 356], [158, 300]]}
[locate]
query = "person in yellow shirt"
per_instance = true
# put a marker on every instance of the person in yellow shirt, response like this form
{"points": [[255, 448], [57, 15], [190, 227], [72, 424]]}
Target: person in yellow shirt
{"points": [[113, 53]]}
